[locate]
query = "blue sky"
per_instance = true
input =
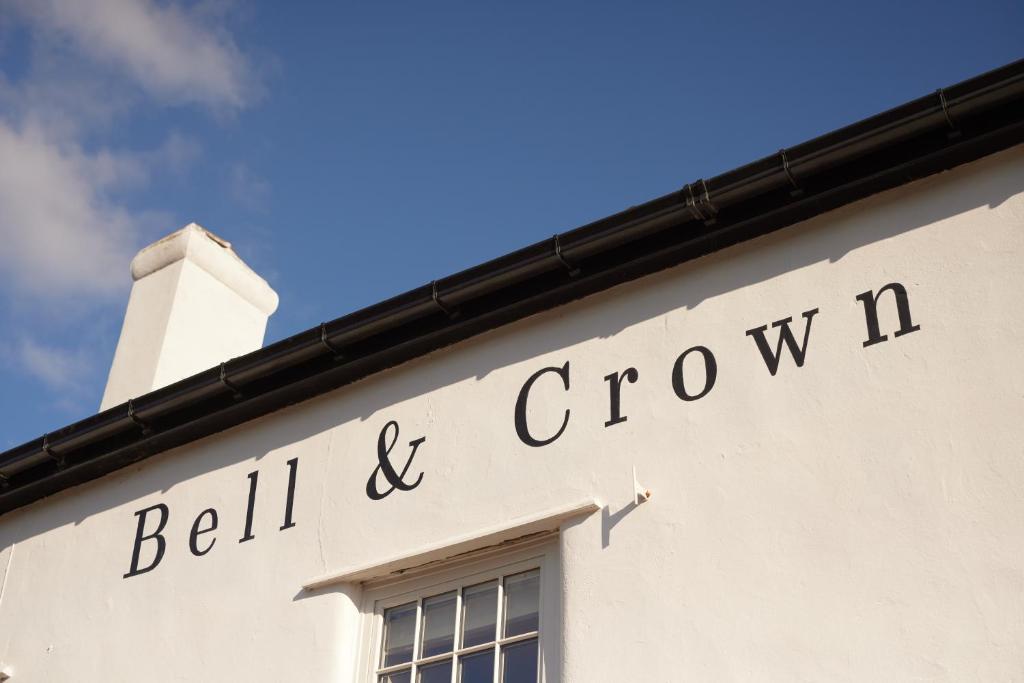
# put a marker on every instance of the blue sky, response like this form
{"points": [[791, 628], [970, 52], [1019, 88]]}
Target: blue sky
{"points": [[351, 151]]}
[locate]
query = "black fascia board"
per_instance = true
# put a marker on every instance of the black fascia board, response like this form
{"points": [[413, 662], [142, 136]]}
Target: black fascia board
{"points": [[950, 127]]}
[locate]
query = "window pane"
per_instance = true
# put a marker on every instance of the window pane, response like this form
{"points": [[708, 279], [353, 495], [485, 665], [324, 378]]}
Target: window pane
{"points": [[399, 627], [479, 613], [519, 662], [478, 668], [438, 624], [522, 594], [401, 677], [435, 673]]}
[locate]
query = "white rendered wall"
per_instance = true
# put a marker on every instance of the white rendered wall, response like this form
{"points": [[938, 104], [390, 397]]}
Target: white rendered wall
{"points": [[858, 518]]}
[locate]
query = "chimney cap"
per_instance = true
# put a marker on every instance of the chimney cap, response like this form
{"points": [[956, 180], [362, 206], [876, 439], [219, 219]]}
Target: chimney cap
{"points": [[211, 253]]}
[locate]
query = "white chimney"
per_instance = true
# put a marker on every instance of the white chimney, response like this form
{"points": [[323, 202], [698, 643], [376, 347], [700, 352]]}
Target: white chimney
{"points": [[193, 304]]}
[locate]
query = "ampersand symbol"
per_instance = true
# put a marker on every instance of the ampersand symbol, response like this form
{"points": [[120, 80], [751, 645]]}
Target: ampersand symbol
{"points": [[396, 479]]}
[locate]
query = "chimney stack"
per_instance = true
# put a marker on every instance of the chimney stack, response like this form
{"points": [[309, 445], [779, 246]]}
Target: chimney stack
{"points": [[194, 303]]}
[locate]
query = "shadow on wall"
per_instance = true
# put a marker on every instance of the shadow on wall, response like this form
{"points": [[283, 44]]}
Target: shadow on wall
{"points": [[609, 519], [829, 238]]}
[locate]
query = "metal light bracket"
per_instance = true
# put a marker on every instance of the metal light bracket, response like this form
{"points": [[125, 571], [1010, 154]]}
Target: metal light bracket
{"points": [[641, 494]]}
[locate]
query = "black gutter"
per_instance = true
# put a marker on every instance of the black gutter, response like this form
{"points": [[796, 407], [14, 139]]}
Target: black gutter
{"points": [[952, 126]]}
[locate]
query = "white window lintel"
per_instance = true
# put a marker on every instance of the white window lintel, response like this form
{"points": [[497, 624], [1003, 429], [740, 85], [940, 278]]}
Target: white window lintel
{"points": [[549, 520]]}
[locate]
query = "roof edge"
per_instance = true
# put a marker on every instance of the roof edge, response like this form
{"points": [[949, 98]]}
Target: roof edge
{"points": [[953, 126]]}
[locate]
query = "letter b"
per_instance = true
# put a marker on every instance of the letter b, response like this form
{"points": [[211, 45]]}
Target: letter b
{"points": [[161, 543]]}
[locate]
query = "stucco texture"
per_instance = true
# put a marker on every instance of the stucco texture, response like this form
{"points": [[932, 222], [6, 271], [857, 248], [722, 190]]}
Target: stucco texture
{"points": [[857, 518]]}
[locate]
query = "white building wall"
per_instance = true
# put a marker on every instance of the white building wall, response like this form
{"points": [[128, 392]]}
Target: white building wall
{"points": [[857, 518]]}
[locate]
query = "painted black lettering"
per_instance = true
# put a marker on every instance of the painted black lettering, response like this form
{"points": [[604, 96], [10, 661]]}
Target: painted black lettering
{"points": [[870, 302], [710, 374], [799, 352], [385, 467], [193, 538], [615, 394], [161, 543], [253, 477], [522, 429], [293, 466]]}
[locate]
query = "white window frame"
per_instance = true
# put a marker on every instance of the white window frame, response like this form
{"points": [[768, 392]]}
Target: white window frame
{"points": [[481, 566]]}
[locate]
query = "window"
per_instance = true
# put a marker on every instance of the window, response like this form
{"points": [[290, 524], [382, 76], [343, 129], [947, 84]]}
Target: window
{"points": [[485, 622]]}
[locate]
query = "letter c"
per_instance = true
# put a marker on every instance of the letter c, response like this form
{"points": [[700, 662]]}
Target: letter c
{"points": [[522, 429]]}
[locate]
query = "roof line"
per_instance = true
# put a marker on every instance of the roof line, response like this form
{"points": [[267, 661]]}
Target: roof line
{"points": [[952, 126]]}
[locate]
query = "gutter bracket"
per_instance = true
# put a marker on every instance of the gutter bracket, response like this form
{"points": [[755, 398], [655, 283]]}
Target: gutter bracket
{"points": [[56, 457], [797, 190], [573, 270], [437, 301], [237, 393], [335, 351], [700, 205], [136, 419], [954, 130], [707, 204], [691, 204]]}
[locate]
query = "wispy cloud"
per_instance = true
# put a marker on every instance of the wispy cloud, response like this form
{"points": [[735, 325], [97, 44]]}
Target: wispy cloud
{"points": [[177, 153], [59, 369], [68, 222], [69, 375], [168, 50], [59, 230], [247, 189], [63, 226]]}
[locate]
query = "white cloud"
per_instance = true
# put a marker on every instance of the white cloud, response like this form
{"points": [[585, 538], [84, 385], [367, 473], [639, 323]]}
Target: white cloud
{"points": [[68, 375], [247, 189], [177, 153], [62, 96], [60, 233], [59, 369], [172, 53], [65, 228], [69, 225]]}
